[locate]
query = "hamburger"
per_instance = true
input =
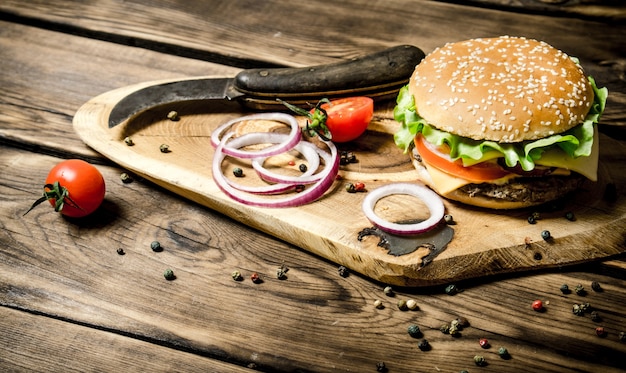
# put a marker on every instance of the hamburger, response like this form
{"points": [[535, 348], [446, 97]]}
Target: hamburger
{"points": [[501, 123]]}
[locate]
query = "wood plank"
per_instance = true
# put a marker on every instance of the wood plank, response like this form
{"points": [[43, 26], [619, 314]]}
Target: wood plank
{"points": [[36, 343], [314, 320]]}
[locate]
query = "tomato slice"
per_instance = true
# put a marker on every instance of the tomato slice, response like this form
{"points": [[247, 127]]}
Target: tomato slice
{"points": [[348, 117], [480, 172]]}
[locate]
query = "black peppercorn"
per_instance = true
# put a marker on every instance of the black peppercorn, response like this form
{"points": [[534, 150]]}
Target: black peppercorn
{"points": [[381, 367], [622, 337], [546, 235], [565, 289], [580, 290], [570, 216], [302, 167], [414, 331], [120, 251], [423, 345], [449, 219], [503, 352], [343, 271], [164, 148], [595, 286], [480, 360], [451, 289], [169, 275], [156, 246], [238, 172], [595, 317]]}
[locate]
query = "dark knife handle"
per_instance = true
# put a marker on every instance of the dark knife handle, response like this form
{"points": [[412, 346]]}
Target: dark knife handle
{"points": [[379, 75]]}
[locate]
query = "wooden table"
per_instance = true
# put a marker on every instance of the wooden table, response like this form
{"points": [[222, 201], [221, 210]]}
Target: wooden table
{"points": [[69, 302]]}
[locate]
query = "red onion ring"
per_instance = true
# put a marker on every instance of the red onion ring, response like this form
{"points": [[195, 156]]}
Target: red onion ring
{"points": [[290, 141], [308, 150], [432, 201], [327, 178]]}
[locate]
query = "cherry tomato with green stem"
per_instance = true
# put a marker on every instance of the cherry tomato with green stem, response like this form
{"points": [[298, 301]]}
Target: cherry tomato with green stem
{"points": [[339, 120], [74, 188]]}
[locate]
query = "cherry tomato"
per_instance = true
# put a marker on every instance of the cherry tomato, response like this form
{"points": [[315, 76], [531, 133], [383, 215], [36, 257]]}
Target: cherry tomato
{"points": [[78, 184], [348, 117], [480, 172]]}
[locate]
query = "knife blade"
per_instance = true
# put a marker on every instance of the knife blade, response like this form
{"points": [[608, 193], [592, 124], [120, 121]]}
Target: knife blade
{"points": [[379, 75]]}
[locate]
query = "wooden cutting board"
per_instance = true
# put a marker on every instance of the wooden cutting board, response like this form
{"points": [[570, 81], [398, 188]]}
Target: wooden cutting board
{"points": [[484, 242]]}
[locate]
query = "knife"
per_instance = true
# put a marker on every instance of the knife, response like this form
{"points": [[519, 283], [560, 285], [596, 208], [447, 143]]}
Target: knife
{"points": [[379, 76]]}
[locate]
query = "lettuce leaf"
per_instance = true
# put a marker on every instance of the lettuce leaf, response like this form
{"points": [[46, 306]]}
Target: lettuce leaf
{"points": [[576, 142]]}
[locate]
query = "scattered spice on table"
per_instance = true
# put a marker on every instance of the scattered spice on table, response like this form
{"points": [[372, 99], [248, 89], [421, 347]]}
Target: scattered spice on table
{"points": [[156, 246], [503, 353], [281, 272], [379, 304], [480, 360], [411, 304], [388, 290], [451, 289], [570, 216], [537, 305], [449, 219], [173, 116], [347, 157], [120, 251], [129, 141], [483, 342], [565, 289], [236, 275], [402, 305], [169, 275], [381, 367], [343, 271], [601, 332], [580, 290], [423, 345], [126, 178], [414, 331], [595, 286], [546, 235], [164, 148], [622, 336], [303, 167], [595, 316], [255, 278]]}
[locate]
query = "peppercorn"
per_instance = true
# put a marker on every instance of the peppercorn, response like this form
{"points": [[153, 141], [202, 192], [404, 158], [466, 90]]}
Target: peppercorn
{"points": [[601, 332], [255, 278], [531, 220], [169, 275], [578, 310], [236, 275], [546, 235], [378, 304], [538, 305], [445, 328], [585, 307], [299, 188], [125, 178], [402, 305], [414, 331], [238, 172], [595, 317], [350, 188], [595, 286], [281, 272], [565, 289], [302, 167], [580, 290], [622, 336], [451, 289], [483, 342], [156, 246], [388, 290], [343, 271], [359, 187], [381, 367], [570, 216], [120, 251], [173, 116], [164, 148], [347, 157], [449, 219], [503, 352], [411, 304], [479, 360], [455, 324], [423, 345], [129, 141], [462, 322], [454, 331]]}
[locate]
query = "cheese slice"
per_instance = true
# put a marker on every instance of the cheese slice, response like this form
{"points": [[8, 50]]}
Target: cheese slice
{"points": [[444, 183]]}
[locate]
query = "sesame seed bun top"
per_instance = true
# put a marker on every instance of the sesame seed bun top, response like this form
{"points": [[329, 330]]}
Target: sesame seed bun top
{"points": [[505, 89]]}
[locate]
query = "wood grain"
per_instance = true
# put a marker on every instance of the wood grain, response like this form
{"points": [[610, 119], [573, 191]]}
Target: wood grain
{"points": [[315, 320]]}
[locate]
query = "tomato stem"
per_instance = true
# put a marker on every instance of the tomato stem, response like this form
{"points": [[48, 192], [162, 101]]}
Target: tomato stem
{"points": [[55, 192], [316, 120]]}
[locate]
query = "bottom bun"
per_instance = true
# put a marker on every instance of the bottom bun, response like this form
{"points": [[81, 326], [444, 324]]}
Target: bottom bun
{"points": [[518, 193]]}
